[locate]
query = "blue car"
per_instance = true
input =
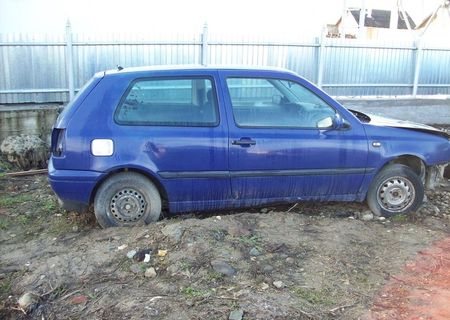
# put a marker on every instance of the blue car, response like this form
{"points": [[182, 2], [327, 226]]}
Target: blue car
{"points": [[139, 141]]}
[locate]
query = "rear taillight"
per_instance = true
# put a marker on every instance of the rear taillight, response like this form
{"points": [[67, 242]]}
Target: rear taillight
{"points": [[58, 142]]}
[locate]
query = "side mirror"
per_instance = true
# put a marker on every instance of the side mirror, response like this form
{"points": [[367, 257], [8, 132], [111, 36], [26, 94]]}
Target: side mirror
{"points": [[334, 122], [338, 122]]}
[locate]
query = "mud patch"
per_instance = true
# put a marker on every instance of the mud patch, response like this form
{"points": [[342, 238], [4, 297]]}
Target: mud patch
{"points": [[422, 291]]}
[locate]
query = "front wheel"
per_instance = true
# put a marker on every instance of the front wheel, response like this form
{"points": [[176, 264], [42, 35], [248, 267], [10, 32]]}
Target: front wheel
{"points": [[396, 189], [127, 199]]}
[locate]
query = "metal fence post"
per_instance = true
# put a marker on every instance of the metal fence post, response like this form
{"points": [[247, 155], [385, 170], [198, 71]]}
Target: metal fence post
{"points": [[320, 59], [417, 67], [69, 61], [205, 45]]}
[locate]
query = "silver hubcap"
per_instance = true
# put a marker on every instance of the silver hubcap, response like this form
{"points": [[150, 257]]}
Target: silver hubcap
{"points": [[396, 194], [128, 205]]}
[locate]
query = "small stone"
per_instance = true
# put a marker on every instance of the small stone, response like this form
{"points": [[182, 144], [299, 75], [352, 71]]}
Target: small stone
{"points": [[237, 231], [236, 314], [278, 284], [27, 301], [267, 268], [147, 258], [122, 247], [436, 210], [135, 268], [223, 267], [173, 231], [131, 254], [254, 252], [381, 218], [75, 228], [150, 273], [264, 210], [264, 286], [366, 216], [172, 269], [290, 260]]}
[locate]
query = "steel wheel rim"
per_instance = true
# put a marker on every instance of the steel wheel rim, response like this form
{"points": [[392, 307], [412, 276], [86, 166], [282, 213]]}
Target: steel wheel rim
{"points": [[396, 194], [127, 205]]}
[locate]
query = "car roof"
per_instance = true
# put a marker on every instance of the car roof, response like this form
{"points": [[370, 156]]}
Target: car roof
{"points": [[121, 70]]}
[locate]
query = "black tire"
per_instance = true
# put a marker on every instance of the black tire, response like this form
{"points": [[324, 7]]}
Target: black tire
{"points": [[127, 199], [396, 189]]}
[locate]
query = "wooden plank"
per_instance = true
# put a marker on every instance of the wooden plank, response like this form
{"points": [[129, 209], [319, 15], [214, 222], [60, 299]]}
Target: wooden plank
{"points": [[25, 173]]}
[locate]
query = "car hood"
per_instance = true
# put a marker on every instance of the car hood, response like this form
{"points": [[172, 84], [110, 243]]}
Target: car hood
{"points": [[388, 122]]}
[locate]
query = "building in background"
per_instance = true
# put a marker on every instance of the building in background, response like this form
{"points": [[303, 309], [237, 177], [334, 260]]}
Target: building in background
{"points": [[436, 25], [376, 21], [390, 20]]}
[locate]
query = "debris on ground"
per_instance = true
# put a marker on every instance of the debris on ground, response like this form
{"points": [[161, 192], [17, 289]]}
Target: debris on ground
{"points": [[25, 151], [308, 261], [28, 301], [150, 272]]}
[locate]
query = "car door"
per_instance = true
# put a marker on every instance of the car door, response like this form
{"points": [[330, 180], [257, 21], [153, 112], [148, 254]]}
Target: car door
{"points": [[281, 141], [171, 124]]}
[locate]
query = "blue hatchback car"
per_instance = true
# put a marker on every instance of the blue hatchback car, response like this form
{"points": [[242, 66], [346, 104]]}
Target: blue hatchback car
{"points": [[138, 141]]}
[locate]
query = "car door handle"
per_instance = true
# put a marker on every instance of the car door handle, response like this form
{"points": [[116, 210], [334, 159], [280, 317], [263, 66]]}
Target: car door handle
{"points": [[244, 142]]}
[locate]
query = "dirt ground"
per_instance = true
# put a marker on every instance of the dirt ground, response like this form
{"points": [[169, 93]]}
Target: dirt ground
{"points": [[308, 261]]}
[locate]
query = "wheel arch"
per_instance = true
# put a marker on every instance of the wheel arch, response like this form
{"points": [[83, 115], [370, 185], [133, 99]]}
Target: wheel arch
{"points": [[415, 162], [146, 173]]}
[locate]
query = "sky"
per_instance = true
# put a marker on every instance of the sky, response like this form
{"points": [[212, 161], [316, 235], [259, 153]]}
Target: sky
{"points": [[277, 18]]}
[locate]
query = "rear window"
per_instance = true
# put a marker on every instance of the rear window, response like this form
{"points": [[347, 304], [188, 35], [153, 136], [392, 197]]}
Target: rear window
{"points": [[80, 96], [169, 102]]}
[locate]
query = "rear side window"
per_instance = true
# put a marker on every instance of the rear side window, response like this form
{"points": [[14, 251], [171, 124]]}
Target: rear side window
{"points": [[169, 102]]}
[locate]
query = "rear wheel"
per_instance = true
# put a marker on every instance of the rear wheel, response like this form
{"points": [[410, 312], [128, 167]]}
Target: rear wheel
{"points": [[395, 190], [127, 199]]}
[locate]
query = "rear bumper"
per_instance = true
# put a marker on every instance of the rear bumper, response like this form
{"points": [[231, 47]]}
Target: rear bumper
{"points": [[73, 187]]}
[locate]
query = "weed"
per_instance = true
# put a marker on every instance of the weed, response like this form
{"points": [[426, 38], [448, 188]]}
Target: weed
{"points": [[399, 218], [125, 264], [313, 296], [185, 265], [250, 240], [91, 295], [60, 226], [49, 206], [214, 276], [191, 292], [58, 292], [4, 224], [5, 287], [24, 219], [11, 201]]}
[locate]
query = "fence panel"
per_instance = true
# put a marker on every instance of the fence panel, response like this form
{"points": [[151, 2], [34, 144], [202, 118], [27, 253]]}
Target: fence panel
{"points": [[34, 68], [368, 68], [435, 72]]}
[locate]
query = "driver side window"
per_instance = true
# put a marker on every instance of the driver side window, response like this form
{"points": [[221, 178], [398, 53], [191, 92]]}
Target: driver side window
{"points": [[275, 103]]}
